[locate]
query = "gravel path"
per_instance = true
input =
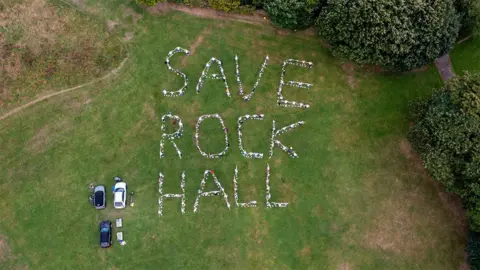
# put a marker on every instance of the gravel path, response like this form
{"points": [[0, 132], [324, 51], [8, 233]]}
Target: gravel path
{"points": [[444, 66]]}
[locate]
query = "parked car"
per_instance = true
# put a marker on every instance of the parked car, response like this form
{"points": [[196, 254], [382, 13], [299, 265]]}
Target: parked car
{"points": [[120, 195], [105, 234], [99, 197]]}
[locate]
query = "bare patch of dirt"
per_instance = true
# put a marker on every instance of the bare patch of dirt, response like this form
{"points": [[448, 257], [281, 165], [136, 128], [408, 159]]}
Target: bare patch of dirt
{"points": [[420, 69], [38, 23], [305, 252], [193, 109], [130, 12], [148, 109], [13, 65], [317, 211], [78, 2], [374, 69], [45, 97], [406, 210], [406, 149], [78, 102], [450, 201], [111, 25], [258, 17], [286, 193], [395, 228], [5, 251], [345, 138], [196, 43], [258, 231], [344, 266], [40, 44], [45, 135], [135, 130], [324, 44], [40, 139], [128, 36], [349, 69], [159, 8], [282, 32], [260, 227], [278, 162], [464, 265]]}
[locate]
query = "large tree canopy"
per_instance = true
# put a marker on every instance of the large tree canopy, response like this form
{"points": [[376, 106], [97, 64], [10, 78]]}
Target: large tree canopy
{"points": [[447, 136], [292, 14], [470, 13], [396, 34]]}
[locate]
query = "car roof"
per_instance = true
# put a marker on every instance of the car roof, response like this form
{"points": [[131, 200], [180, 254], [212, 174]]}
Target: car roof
{"points": [[99, 188], [105, 223], [99, 197], [121, 185], [118, 197]]}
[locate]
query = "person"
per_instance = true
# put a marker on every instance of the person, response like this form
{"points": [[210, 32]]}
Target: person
{"points": [[132, 203]]}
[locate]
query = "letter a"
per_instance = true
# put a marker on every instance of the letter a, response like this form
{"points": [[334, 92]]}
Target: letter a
{"points": [[201, 193], [213, 76]]}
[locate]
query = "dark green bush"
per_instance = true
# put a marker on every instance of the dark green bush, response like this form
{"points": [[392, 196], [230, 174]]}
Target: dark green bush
{"points": [[260, 3], [225, 5], [292, 14], [470, 14], [446, 134], [473, 250], [196, 3], [395, 34], [149, 2]]}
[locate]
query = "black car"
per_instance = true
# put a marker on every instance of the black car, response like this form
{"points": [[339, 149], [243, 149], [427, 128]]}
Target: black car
{"points": [[105, 234], [99, 197]]}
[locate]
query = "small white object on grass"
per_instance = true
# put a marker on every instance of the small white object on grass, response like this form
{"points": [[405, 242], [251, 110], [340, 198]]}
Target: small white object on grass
{"points": [[119, 222]]}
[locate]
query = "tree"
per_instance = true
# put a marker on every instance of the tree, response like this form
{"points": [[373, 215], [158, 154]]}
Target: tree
{"points": [[225, 5], [473, 250], [470, 15], [292, 14], [149, 2], [395, 34], [446, 133]]}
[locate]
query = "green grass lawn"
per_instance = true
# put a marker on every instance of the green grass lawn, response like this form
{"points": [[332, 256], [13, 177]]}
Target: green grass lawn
{"points": [[466, 56], [358, 200]]}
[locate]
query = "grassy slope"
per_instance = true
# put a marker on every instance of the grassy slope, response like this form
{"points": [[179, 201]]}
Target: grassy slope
{"points": [[355, 200], [47, 46]]}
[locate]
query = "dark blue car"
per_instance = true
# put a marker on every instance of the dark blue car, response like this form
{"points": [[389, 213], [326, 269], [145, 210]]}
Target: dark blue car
{"points": [[105, 234]]}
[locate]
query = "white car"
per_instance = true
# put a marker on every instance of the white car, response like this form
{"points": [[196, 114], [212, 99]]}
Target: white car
{"points": [[120, 195]]}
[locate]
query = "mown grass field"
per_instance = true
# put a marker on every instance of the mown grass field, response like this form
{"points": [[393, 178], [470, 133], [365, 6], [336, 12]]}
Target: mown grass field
{"points": [[466, 56], [359, 199]]}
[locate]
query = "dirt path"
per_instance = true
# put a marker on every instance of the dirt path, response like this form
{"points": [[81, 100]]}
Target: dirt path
{"points": [[258, 17], [42, 98], [444, 66], [194, 46]]}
